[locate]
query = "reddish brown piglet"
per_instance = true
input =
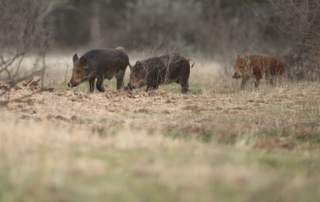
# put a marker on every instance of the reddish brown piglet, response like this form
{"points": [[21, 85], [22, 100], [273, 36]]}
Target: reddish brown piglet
{"points": [[258, 66]]}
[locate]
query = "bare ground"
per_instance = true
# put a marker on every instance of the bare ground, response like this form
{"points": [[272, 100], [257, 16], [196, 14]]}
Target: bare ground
{"points": [[275, 108]]}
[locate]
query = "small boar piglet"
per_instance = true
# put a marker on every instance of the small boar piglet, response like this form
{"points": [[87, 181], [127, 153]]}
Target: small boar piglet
{"points": [[256, 67], [163, 70]]}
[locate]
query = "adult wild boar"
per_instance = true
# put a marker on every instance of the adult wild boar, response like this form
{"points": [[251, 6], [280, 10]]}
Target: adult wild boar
{"points": [[156, 71], [258, 66], [100, 65]]}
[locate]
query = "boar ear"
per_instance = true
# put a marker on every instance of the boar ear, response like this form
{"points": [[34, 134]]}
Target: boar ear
{"points": [[83, 62], [75, 58], [238, 57], [139, 64], [247, 58], [130, 66]]}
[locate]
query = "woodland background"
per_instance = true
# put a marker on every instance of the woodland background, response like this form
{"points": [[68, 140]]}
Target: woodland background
{"points": [[214, 29]]}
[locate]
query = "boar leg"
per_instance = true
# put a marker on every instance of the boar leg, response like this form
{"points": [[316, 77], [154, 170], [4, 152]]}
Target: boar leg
{"points": [[99, 84], [91, 83], [256, 83], [153, 85], [243, 83], [269, 79], [119, 77], [149, 87], [184, 77], [129, 87], [184, 85], [272, 80]]}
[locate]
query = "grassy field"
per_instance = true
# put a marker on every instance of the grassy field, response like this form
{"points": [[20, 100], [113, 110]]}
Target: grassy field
{"points": [[216, 143]]}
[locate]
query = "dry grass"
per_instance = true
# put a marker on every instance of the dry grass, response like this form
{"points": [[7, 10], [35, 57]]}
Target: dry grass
{"points": [[215, 143]]}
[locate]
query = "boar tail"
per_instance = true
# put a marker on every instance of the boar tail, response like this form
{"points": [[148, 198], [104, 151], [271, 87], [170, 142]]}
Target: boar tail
{"points": [[194, 62], [121, 49]]}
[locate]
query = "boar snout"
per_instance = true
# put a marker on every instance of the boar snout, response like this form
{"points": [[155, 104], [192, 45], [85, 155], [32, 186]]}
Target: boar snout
{"points": [[236, 76], [129, 87], [72, 84]]}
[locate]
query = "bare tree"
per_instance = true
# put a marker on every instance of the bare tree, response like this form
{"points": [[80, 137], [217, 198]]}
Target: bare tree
{"points": [[299, 21], [95, 28], [157, 23], [22, 35]]}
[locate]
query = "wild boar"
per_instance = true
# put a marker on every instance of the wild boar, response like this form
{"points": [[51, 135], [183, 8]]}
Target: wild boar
{"points": [[161, 70], [100, 65], [258, 66]]}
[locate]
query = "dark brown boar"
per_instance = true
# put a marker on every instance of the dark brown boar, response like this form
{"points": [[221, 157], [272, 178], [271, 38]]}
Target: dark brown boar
{"points": [[100, 65], [161, 70], [258, 66]]}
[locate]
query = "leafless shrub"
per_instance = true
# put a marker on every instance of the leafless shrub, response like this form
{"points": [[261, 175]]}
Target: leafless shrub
{"points": [[23, 40], [299, 22], [215, 29], [209, 27]]}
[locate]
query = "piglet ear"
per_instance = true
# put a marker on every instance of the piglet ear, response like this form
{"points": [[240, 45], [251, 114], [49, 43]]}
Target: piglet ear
{"points": [[138, 64], [247, 58], [130, 66], [75, 58], [83, 62]]}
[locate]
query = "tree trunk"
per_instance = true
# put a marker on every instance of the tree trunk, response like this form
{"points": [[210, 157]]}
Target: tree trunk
{"points": [[95, 28]]}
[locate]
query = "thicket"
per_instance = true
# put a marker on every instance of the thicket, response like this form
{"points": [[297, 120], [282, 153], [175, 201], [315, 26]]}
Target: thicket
{"points": [[22, 34], [213, 28]]}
